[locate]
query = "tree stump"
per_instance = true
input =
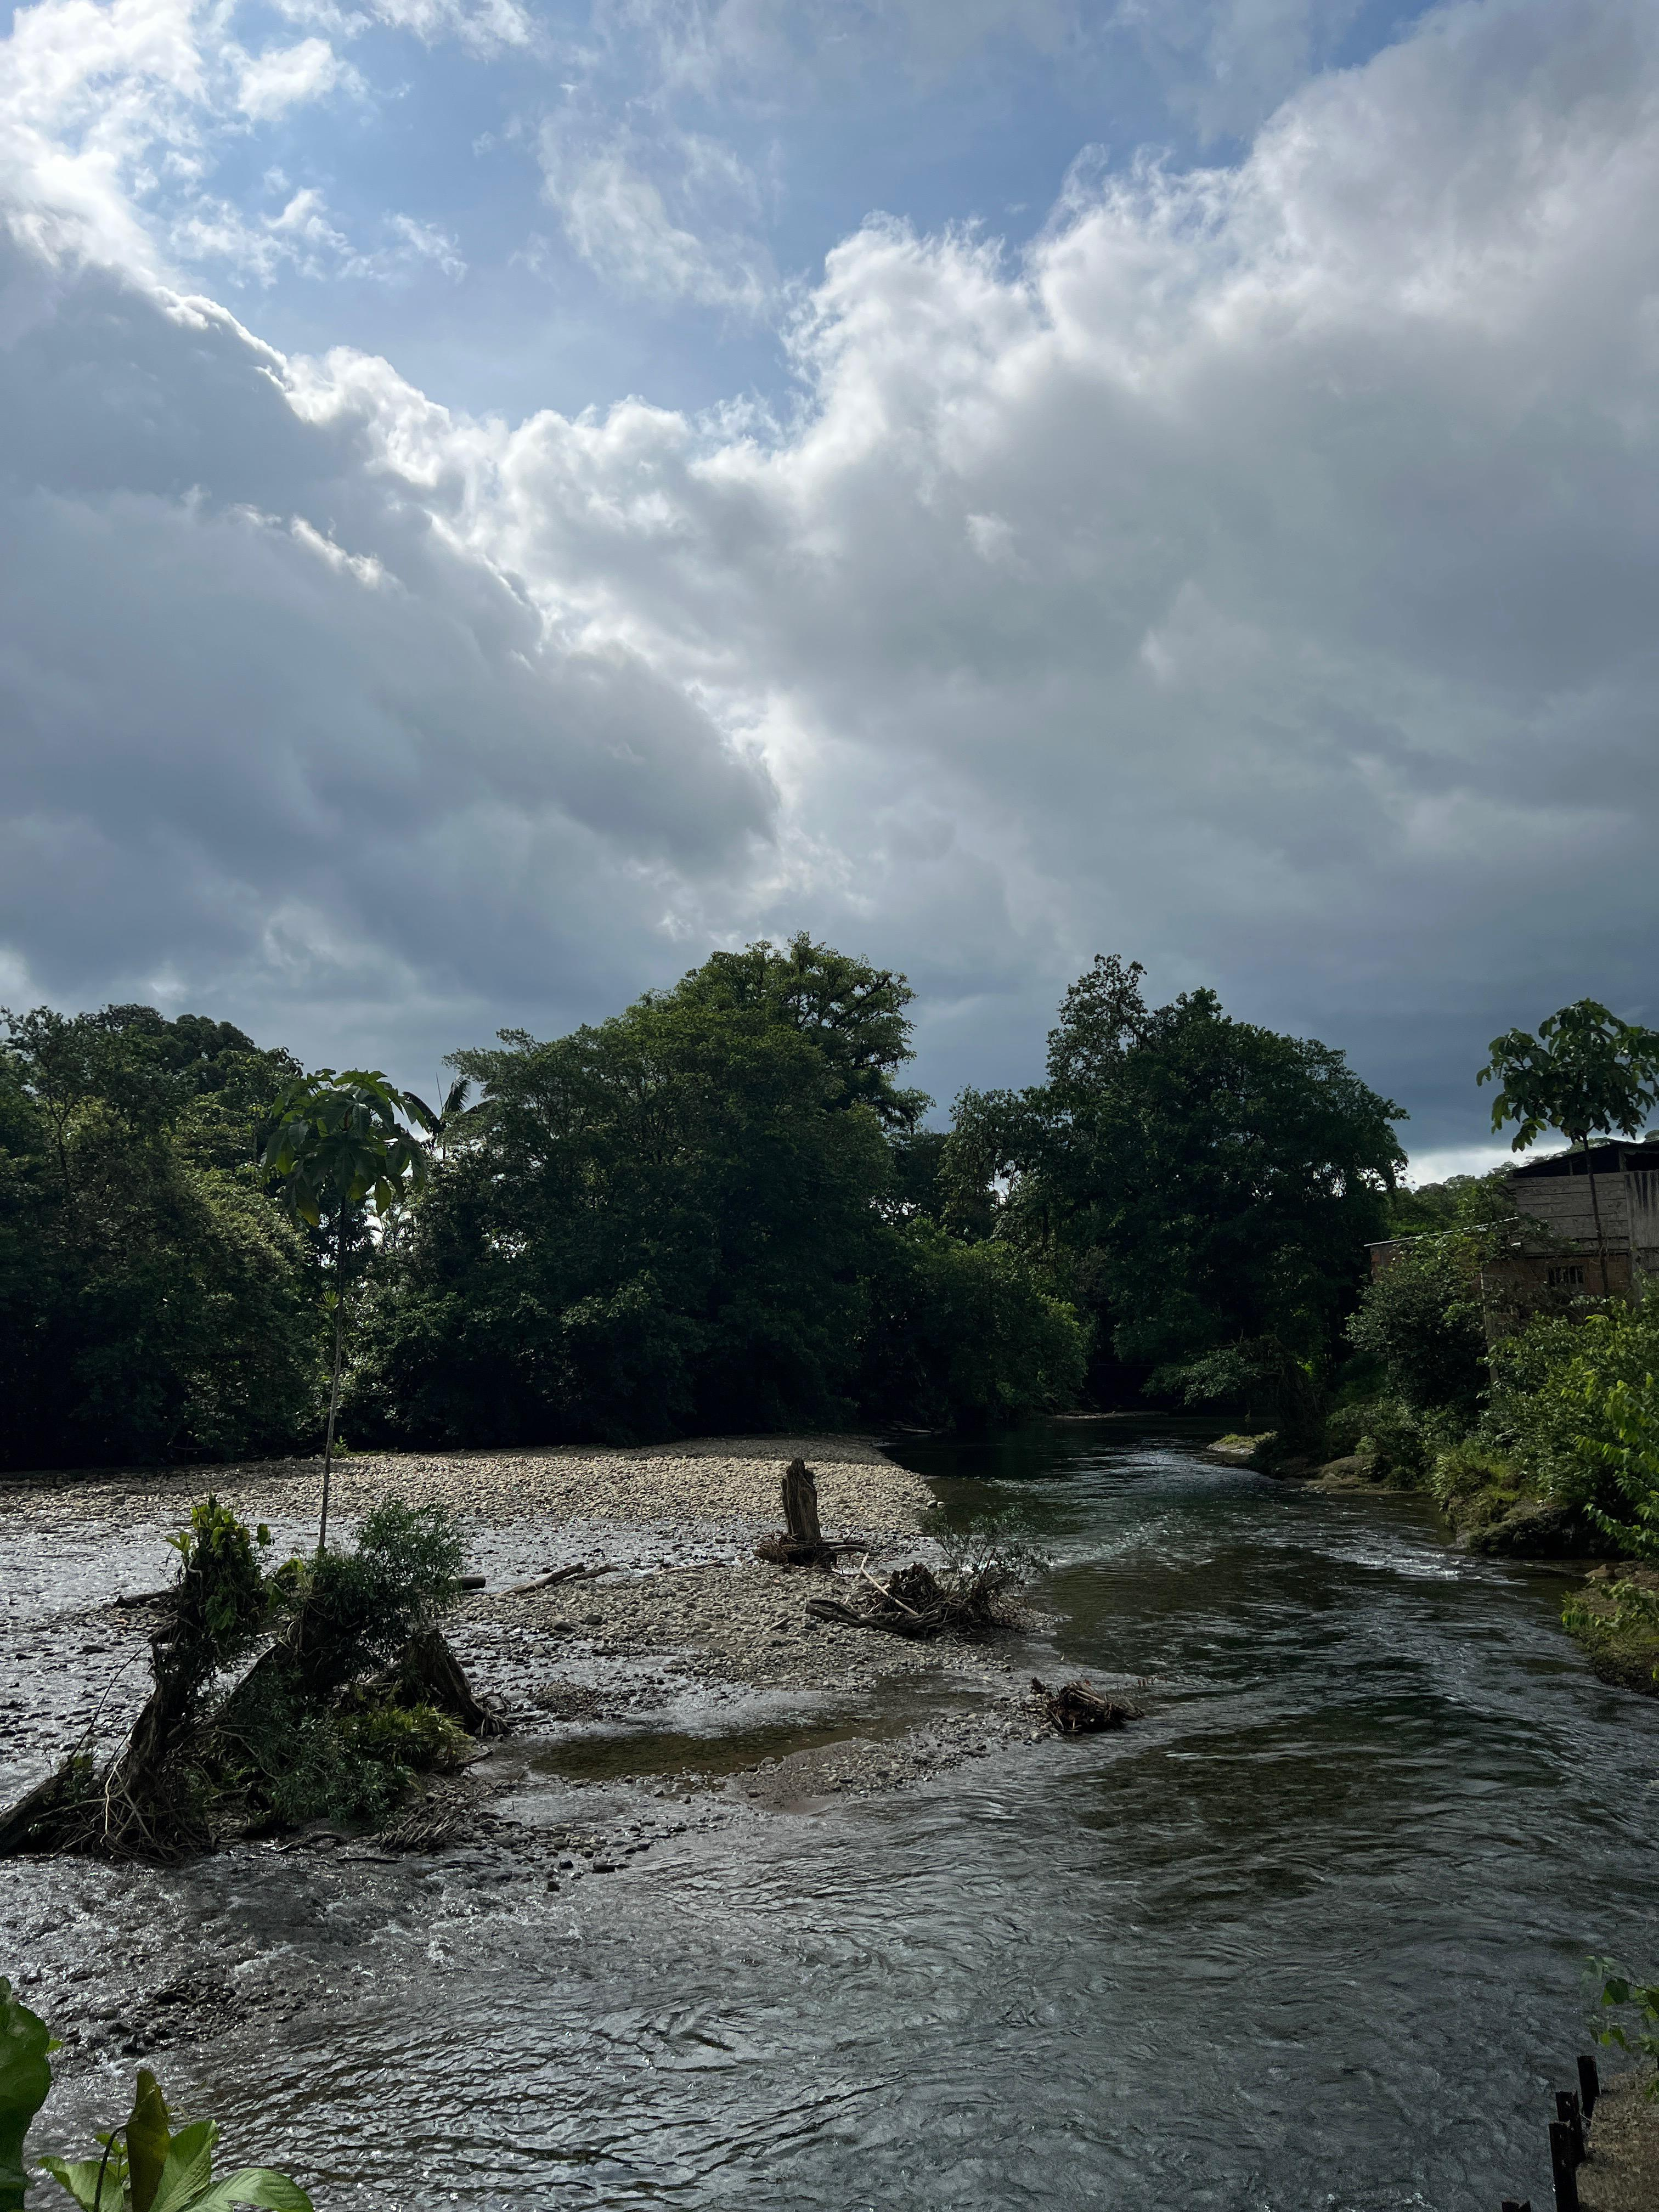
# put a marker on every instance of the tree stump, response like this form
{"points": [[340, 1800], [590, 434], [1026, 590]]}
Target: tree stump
{"points": [[800, 1503], [429, 1673]]}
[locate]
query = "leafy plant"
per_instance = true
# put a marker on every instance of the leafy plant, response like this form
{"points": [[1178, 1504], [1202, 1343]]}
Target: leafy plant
{"points": [[339, 1142], [144, 2166], [1619, 1993], [1575, 1405], [25, 2079], [1626, 1415]]}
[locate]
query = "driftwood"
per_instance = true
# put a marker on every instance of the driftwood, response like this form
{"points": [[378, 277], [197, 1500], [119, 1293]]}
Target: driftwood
{"points": [[1079, 1709], [426, 1826], [914, 1602], [800, 1543], [581, 1572]]}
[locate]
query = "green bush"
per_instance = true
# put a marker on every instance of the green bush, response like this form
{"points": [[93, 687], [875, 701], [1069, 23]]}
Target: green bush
{"points": [[1474, 1484], [1420, 1320], [1394, 1440], [154, 1304], [1574, 1402]]}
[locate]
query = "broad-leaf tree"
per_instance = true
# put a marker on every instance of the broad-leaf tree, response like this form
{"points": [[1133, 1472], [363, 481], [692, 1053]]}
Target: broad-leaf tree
{"points": [[154, 1304], [1586, 1073], [339, 1145], [1203, 1185]]}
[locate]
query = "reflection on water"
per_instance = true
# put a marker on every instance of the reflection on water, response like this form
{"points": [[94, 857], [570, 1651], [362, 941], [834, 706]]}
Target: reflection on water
{"points": [[1307, 1936]]}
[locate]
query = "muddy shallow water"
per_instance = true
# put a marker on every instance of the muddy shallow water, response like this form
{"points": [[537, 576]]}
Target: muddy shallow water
{"points": [[1309, 1936]]}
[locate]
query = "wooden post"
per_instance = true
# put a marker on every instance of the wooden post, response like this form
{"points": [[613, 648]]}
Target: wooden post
{"points": [[1567, 2111], [1589, 2085], [1563, 2167]]}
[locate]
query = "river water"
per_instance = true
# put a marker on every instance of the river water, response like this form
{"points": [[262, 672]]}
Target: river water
{"points": [[1309, 1934]]}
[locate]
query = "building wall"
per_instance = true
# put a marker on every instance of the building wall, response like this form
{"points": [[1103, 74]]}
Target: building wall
{"points": [[1629, 1206]]}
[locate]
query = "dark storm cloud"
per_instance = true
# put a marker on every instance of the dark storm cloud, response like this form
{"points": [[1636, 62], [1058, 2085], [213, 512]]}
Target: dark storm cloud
{"points": [[1256, 578]]}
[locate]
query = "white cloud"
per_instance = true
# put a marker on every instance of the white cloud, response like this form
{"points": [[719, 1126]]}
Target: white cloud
{"points": [[1252, 579], [289, 77], [617, 217], [113, 119]]}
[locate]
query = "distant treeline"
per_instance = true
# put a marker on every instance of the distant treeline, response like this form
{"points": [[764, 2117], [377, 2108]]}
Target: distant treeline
{"points": [[718, 1210]]}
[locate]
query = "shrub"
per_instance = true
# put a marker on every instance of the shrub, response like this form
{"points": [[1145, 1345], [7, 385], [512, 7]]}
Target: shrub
{"points": [[965, 1334], [1397, 1443], [1420, 1320], [1575, 1403]]}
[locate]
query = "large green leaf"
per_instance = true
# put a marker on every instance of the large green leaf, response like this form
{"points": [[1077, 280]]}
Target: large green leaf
{"points": [[257, 2185], [189, 2168], [147, 2140], [97, 2184], [25, 2078]]}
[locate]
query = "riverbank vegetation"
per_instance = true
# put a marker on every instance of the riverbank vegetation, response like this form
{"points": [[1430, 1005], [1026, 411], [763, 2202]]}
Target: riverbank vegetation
{"points": [[1534, 1425], [722, 1210], [143, 2163], [311, 1689]]}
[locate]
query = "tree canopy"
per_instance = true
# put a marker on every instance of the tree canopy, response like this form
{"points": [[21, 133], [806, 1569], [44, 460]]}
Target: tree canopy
{"points": [[1199, 1183], [153, 1304], [720, 1209]]}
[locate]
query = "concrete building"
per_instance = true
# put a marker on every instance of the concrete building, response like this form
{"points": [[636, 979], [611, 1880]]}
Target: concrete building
{"points": [[1551, 1256]]}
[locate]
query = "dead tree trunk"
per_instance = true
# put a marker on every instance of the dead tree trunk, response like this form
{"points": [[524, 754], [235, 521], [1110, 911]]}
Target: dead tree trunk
{"points": [[800, 1503]]}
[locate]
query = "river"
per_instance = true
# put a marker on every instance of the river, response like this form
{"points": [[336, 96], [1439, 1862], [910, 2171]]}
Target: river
{"points": [[1309, 1937]]}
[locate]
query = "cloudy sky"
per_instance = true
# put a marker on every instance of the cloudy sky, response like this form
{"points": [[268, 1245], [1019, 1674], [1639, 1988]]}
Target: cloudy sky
{"points": [[502, 496]]}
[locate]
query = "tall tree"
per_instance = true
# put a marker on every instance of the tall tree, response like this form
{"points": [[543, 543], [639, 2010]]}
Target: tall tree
{"points": [[1586, 1073], [1202, 1184], [153, 1301]]}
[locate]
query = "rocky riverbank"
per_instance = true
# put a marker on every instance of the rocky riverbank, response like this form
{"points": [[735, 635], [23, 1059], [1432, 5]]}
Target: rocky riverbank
{"points": [[676, 1653]]}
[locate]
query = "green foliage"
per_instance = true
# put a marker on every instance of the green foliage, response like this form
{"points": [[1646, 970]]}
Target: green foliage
{"points": [[1584, 1073], [668, 1221], [25, 2079], [1388, 1434], [219, 1603], [852, 1014], [1420, 1320], [1620, 1994], [1574, 1402], [144, 2166], [1474, 1484], [357, 1609], [963, 1335], [339, 1140], [147, 2166], [1621, 1438], [1617, 1621], [1198, 1183], [154, 1304], [350, 1767]]}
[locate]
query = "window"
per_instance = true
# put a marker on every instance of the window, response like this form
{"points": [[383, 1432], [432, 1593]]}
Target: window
{"points": [[1562, 1278]]}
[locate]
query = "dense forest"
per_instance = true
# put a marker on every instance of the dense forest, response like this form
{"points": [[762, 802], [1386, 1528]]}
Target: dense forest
{"points": [[722, 1210], [718, 1210]]}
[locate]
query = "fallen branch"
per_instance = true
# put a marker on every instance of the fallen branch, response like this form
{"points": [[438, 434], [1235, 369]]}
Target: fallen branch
{"points": [[914, 1602], [581, 1572]]}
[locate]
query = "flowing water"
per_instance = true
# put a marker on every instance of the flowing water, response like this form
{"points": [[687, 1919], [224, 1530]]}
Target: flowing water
{"points": [[1309, 1934]]}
